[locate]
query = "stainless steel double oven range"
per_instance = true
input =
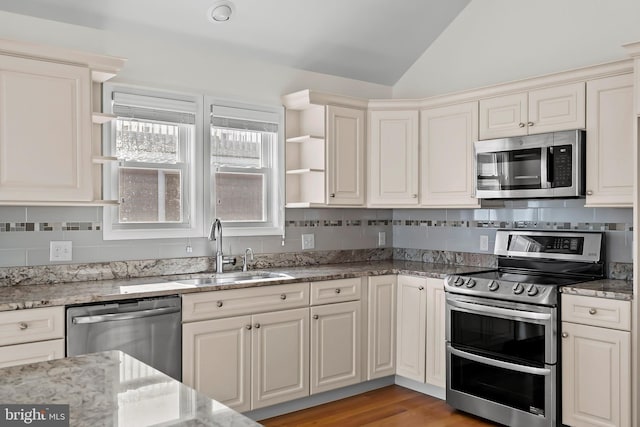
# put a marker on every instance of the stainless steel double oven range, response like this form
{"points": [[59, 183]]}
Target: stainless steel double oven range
{"points": [[503, 349]]}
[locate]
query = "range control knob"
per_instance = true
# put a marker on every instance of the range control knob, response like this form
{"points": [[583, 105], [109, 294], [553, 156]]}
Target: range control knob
{"points": [[493, 286], [518, 289], [459, 281], [471, 283], [532, 291]]}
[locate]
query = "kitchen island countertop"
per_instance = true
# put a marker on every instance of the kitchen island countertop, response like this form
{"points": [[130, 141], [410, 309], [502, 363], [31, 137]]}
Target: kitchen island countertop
{"points": [[113, 389]]}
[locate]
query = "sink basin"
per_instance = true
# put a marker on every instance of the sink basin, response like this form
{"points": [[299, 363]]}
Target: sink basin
{"points": [[236, 277]]}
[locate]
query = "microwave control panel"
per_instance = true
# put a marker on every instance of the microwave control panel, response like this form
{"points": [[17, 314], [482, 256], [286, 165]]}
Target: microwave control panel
{"points": [[562, 165]]}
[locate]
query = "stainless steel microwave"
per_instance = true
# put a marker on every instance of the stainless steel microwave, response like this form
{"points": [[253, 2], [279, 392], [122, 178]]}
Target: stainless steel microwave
{"points": [[533, 166]]}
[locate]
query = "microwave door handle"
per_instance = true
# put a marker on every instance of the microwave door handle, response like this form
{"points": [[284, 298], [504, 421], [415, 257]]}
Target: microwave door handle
{"points": [[547, 163]]}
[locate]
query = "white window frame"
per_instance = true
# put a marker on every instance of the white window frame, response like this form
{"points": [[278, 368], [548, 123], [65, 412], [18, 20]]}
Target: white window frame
{"points": [[274, 225], [192, 225]]}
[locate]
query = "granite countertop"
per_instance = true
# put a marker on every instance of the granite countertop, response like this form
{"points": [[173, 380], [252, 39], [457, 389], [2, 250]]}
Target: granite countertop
{"points": [[113, 389], [607, 288], [33, 296]]}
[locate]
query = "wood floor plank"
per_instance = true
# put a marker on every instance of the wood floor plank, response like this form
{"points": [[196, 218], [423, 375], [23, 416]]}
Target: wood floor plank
{"points": [[386, 407]]}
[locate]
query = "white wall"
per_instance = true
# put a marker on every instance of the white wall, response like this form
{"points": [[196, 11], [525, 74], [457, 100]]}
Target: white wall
{"points": [[182, 64], [495, 41]]}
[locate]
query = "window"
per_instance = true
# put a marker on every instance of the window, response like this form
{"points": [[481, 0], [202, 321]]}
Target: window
{"points": [[156, 139], [246, 159]]}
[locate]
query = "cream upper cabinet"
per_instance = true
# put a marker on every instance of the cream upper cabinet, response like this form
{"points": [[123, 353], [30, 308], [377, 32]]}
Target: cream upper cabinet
{"points": [[393, 158], [381, 326], [596, 362], [446, 155], [46, 124], [324, 150], [436, 370], [537, 111], [411, 328], [345, 156], [610, 128]]}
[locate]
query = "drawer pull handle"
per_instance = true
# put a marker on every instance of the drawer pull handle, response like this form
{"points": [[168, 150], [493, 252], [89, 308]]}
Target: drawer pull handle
{"points": [[337, 290], [248, 327], [219, 303], [421, 288], [257, 326], [283, 296], [316, 317], [23, 325], [592, 311], [565, 335]]}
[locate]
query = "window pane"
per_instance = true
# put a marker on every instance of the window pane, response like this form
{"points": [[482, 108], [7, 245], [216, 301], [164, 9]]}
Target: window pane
{"points": [[150, 195], [149, 142], [241, 148], [240, 196]]}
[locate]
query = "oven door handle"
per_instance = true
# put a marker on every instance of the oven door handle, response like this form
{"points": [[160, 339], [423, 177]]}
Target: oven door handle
{"points": [[499, 363], [487, 309]]}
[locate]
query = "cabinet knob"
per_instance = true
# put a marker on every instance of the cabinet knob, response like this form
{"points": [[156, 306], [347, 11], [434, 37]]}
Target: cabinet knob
{"points": [[23, 325], [421, 288], [592, 311], [332, 195], [414, 196], [316, 317], [589, 193], [530, 124], [257, 326], [338, 290], [521, 125], [248, 327], [219, 303], [565, 335], [283, 296]]}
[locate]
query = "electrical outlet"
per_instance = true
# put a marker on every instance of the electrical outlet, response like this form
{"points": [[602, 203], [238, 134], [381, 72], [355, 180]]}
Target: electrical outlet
{"points": [[60, 250], [382, 238], [308, 241], [484, 242]]}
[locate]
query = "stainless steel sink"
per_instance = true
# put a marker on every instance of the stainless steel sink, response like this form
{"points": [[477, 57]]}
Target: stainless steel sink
{"points": [[235, 277]]}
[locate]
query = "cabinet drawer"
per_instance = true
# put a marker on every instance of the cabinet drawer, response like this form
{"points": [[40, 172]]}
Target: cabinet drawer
{"points": [[340, 290], [233, 302], [607, 313], [36, 324], [32, 352]]}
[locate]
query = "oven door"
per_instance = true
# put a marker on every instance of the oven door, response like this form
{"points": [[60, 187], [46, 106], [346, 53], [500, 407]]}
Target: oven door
{"points": [[501, 360]]}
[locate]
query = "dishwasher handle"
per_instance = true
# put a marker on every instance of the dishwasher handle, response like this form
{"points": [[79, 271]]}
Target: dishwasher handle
{"points": [[124, 316]]}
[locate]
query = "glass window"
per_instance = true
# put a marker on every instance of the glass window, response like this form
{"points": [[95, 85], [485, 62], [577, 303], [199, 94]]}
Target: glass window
{"points": [[246, 158], [156, 139]]}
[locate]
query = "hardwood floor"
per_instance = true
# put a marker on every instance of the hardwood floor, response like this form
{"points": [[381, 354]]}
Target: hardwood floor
{"points": [[389, 406]]}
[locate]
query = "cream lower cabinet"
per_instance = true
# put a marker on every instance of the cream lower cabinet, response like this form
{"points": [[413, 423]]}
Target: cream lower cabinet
{"points": [[335, 334], [596, 362], [420, 353], [610, 128], [34, 335], [247, 348], [381, 326]]}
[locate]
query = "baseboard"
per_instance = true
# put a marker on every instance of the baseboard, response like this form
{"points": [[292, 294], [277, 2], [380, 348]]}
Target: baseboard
{"points": [[423, 388], [319, 399]]}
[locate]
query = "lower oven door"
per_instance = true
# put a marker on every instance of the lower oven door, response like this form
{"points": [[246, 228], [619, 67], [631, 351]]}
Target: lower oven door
{"points": [[501, 360], [507, 393]]}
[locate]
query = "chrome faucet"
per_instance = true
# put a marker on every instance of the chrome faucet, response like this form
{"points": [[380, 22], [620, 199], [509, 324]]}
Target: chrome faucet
{"points": [[244, 258], [215, 234]]}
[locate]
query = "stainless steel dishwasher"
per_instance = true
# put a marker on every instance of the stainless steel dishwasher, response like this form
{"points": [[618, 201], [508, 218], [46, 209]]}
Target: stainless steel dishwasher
{"points": [[148, 329]]}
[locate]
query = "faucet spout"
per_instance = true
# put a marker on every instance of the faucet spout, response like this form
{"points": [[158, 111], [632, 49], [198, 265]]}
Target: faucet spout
{"points": [[215, 234]]}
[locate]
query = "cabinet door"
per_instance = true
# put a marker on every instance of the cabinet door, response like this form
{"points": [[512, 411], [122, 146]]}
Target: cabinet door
{"points": [[45, 131], [596, 372], [436, 340], [557, 108], [216, 359], [280, 354], [446, 155], [393, 158], [503, 116], [610, 122], [20, 354], [381, 330], [345, 156], [335, 346], [411, 335]]}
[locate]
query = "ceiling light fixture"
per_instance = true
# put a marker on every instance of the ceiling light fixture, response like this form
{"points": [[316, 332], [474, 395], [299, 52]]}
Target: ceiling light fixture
{"points": [[220, 11]]}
